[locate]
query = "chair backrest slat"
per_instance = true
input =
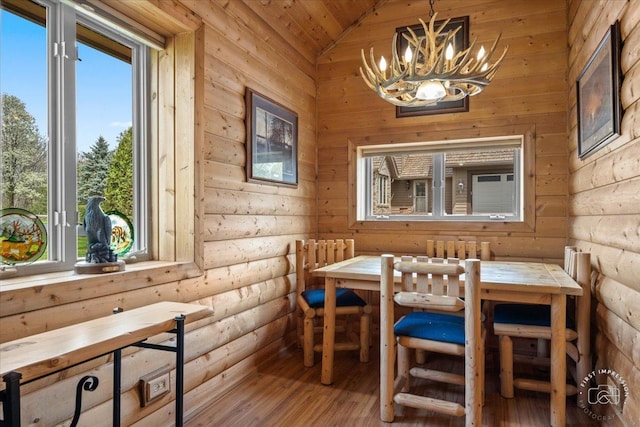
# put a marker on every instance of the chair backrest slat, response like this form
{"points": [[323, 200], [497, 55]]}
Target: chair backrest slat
{"points": [[471, 251], [407, 283], [339, 250], [570, 254], [451, 248], [462, 249], [330, 252], [437, 284], [422, 280], [431, 250], [453, 281], [321, 255], [440, 249], [417, 273], [311, 250]]}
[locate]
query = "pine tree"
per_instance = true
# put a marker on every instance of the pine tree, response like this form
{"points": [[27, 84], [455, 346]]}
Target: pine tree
{"points": [[119, 189], [24, 158], [93, 168]]}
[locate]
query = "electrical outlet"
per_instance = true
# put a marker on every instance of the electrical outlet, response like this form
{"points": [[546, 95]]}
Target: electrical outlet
{"points": [[154, 385]]}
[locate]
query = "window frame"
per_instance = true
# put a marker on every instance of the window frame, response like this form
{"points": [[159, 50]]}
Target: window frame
{"points": [[61, 19], [357, 219], [176, 135]]}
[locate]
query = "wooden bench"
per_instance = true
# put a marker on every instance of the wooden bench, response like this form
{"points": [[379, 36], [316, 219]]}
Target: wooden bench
{"points": [[36, 356]]}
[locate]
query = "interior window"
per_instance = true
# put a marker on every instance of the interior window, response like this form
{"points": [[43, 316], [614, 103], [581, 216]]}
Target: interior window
{"points": [[80, 89], [452, 180]]}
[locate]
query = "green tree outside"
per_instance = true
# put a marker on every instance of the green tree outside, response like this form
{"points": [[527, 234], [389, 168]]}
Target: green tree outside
{"points": [[119, 186], [24, 168], [24, 158], [92, 170]]}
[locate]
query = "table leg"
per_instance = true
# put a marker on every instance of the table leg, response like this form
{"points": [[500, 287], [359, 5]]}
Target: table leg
{"points": [[117, 386], [11, 400], [329, 333], [558, 359], [179, 369]]}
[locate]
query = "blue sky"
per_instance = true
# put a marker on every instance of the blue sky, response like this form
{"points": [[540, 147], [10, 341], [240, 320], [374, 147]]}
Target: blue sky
{"points": [[103, 93]]}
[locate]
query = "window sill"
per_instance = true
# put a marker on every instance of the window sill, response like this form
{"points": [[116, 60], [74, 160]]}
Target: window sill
{"points": [[506, 227], [28, 293]]}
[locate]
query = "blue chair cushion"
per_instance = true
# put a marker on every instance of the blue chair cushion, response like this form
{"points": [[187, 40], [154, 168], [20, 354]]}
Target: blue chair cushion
{"points": [[525, 314], [344, 298], [431, 326]]}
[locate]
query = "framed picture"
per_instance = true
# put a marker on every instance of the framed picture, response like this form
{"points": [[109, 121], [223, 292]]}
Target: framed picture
{"points": [[598, 87], [272, 141], [461, 41]]}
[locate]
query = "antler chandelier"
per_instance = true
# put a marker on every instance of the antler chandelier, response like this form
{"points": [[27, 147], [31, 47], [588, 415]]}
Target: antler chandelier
{"points": [[430, 71]]}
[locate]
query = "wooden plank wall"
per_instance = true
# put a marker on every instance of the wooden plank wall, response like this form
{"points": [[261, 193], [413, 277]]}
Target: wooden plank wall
{"points": [[249, 230], [604, 197], [529, 91]]}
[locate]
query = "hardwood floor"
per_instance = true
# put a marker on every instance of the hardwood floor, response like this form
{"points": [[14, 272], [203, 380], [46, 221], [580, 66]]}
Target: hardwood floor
{"points": [[285, 393]]}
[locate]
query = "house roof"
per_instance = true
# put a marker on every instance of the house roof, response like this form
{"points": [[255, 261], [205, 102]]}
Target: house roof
{"points": [[416, 166]]}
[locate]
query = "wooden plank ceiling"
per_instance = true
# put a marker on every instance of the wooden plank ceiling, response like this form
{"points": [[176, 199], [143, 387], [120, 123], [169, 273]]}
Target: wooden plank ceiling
{"points": [[310, 26], [317, 24]]}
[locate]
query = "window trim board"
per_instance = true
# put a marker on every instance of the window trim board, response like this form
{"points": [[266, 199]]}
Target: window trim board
{"points": [[527, 225]]}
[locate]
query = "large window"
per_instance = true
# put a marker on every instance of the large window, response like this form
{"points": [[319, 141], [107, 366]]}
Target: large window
{"points": [[467, 180], [75, 96]]}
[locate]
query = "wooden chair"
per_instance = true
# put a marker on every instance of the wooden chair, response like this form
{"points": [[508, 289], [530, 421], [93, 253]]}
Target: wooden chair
{"points": [[423, 286], [460, 249], [534, 321], [312, 254], [463, 249]]}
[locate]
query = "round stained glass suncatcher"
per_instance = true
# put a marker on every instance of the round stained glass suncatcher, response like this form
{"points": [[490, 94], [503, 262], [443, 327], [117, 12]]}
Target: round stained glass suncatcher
{"points": [[121, 232], [23, 236]]}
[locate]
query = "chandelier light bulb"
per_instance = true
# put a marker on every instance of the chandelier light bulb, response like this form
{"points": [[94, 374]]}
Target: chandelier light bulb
{"points": [[448, 54], [481, 53], [408, 55], [383, 64], [431, 90]]}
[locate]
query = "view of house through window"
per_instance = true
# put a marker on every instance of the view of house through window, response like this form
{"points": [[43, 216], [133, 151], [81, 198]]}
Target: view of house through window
{"points": [[465, 180], [69, 130]]}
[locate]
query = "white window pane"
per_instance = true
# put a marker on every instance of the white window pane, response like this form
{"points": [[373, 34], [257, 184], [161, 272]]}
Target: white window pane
{"points": [[481, 181], [103, 125], [82, 98], [445, 180], [24, 133]]}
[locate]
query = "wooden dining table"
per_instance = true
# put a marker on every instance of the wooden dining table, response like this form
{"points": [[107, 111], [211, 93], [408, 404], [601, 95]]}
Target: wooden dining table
{"points": [[522, 282]]}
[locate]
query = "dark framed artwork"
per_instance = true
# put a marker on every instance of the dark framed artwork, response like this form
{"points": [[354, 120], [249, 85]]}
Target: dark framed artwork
{"points": [[461, 42], [598, 89], [272, 141]]}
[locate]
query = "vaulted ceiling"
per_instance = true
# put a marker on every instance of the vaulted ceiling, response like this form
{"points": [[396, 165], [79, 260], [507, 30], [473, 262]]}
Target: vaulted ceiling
{"points": [[310, 26], [317, 24]]}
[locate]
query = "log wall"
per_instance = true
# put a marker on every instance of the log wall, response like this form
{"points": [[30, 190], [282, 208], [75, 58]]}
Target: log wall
{"points": [[527, 94], [245, 232], [604, 198], [245, 247]]}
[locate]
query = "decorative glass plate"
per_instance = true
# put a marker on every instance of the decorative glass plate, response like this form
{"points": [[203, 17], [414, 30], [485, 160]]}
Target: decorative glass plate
{"points": [[23, 236], [121, 232]]}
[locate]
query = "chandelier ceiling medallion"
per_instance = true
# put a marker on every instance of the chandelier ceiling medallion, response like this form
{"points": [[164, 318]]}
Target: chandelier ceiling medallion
{"points": [[430, 70]]}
